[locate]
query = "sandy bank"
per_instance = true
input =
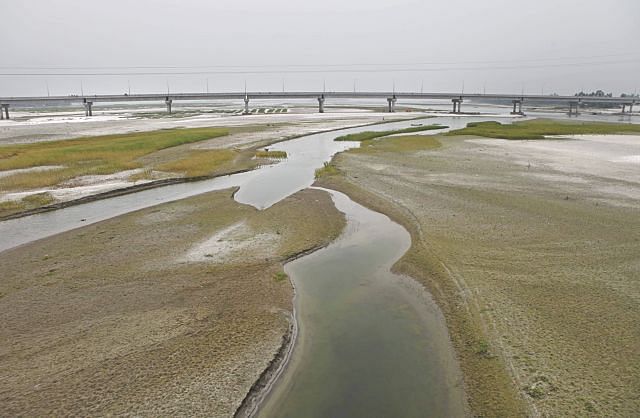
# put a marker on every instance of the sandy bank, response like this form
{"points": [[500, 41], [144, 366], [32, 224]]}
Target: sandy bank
{"points": [[530, 249], [117, 318]]}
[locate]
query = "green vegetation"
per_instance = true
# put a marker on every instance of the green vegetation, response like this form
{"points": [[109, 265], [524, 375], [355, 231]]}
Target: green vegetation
{"points": [[404, 143], [364, 136], [483, 349], [540, 128], [271, 154], [89, 156], [280, 276], [329, 169], [29, 202], [200, 163]]}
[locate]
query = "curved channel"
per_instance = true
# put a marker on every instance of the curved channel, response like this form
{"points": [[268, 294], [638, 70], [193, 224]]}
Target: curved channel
{"points": [[261, 188], [370, 343]]}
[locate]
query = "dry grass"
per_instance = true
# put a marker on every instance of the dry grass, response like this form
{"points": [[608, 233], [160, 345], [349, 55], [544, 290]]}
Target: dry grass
{"points": [[29, 202], [90, 156], [271, 154], [146, 174], [200, 162]]}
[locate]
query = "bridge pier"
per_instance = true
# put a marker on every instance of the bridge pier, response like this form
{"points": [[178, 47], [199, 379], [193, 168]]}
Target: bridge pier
{"points": [[168, 102], [88, 108], [571, 106], [392, 104], [631, 107], [456, 105], [4, 112], [517, 108], [246, 105], [321, 104]]}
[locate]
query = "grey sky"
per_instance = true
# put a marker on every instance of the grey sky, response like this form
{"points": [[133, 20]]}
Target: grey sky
{"points": [[499, 45]]}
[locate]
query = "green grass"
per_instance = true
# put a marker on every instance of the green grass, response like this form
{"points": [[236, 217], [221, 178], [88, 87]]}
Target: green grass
{"points": [[271, 154], [199, 163], [89, 156], [400, 144], [280, 276], [540, 128], [327, 170], [368, 135]]}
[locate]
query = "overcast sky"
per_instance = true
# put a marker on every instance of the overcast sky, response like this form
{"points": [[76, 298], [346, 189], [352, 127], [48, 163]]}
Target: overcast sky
{"points": [[498, 46]]}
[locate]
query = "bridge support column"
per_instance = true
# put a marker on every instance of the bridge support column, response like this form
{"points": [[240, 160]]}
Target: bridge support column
{"points": [[246, 105], [88, 108], [630, 107], [168, 102], [624, 107], [571, 106], [456, 105], [517, 108], [321, 104], [392, 104], [4, 111]]}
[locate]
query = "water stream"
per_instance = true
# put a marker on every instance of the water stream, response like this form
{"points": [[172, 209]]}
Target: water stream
{"points": [[260, 188], [370, 343]]}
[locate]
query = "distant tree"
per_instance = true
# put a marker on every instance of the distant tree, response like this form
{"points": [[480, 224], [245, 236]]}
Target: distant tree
{"points": [[597, 93]]}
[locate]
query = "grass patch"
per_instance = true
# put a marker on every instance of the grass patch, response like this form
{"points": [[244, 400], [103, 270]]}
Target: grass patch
{"points": [[28, 202], [368, 135], [328, 169], [482, 349], [404, 143], [199, 163], [280, 276], [540, 128], [271, 154], [146, 174], [90, 156]]}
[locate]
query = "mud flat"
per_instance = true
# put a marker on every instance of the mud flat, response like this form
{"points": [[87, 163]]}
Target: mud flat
{"points": [[175, 309], [280, 126], [530, 248]]}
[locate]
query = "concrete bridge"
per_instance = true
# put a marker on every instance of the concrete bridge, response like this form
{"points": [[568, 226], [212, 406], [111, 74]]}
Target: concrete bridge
{"points": [[572, 102]]}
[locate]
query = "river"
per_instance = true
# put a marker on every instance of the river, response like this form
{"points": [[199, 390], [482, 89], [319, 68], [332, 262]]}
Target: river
{"points": [[370, 343]]}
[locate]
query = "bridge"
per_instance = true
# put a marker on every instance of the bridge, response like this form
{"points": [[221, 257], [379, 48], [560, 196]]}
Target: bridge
{"points": [[572, 102]]}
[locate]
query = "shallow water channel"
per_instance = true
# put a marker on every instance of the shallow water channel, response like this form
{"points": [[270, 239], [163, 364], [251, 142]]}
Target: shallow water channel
{"points": [[370, 343], [261, 188]]}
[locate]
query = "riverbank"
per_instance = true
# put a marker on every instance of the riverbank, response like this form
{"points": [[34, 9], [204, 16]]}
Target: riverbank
{"points": [[530, 250], [173, 309], [363, 329]]}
